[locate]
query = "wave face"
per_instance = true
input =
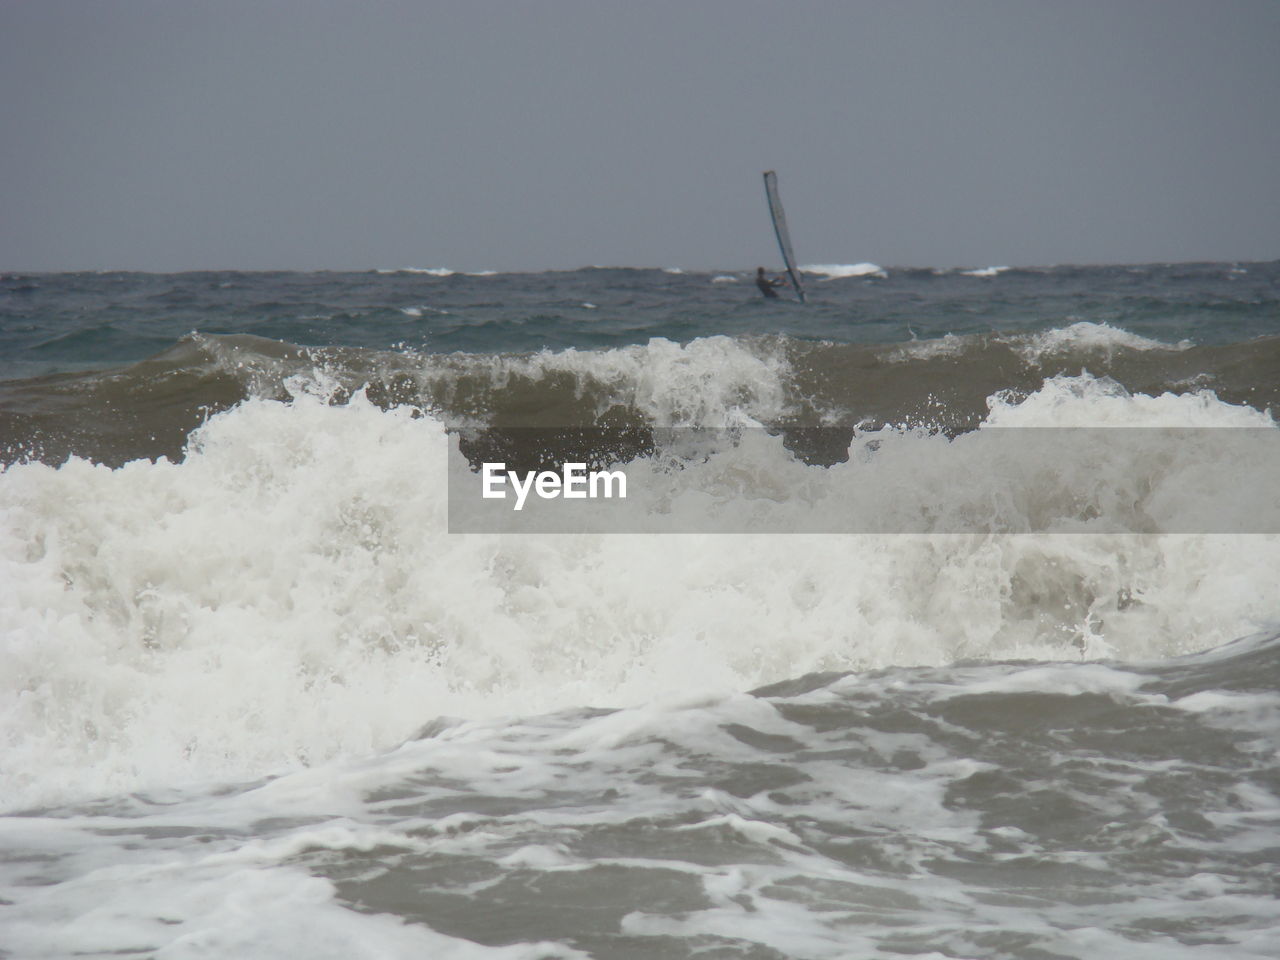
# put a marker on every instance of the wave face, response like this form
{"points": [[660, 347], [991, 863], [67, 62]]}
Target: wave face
{"points": [[148, 409], [255, 696]]}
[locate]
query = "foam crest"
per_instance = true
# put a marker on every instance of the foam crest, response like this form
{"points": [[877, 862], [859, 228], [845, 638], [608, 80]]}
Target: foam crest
{"points": [[711, 381], [1087, 401], [1084, 335]]}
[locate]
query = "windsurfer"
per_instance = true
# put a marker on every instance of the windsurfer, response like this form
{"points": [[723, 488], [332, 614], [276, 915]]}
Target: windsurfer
{"points": [[767, 284]]}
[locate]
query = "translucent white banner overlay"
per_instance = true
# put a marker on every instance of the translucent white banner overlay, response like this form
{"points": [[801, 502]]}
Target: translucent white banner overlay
{"points": [[816, 480]]}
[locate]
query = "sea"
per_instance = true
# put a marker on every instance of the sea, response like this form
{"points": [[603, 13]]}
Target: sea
{"points": [[261, 697]]}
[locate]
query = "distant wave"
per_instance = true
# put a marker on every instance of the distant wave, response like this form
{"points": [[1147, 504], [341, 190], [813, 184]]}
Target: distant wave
{"points": [[838, 271], [433, 271], [438, 271]]}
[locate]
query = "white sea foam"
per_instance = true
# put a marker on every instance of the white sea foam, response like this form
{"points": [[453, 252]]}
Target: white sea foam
{"points": [[984, 272], [1085, 335], [130, 907], [879, 827], [724, 278], [288, 593], [834, 271]]}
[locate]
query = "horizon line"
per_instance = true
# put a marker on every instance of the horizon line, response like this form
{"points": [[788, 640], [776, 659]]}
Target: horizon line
{"points": [[441, 272]]}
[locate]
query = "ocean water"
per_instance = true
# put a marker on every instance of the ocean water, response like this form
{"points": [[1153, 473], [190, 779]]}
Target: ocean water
{"points": [[257, 700]]}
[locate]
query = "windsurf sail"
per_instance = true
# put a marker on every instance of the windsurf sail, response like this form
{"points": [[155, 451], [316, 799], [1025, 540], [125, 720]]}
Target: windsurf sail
{"points": [[780, 230]]}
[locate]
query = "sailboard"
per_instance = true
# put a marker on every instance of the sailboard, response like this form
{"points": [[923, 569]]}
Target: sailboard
{"points": [[780, 230]]}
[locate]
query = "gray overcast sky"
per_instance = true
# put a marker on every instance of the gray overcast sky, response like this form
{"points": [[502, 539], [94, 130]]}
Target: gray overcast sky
{"points": [[167, 134]]}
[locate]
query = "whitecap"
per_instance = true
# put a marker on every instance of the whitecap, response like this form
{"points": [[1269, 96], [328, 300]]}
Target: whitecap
{"points": [[835, 271]]}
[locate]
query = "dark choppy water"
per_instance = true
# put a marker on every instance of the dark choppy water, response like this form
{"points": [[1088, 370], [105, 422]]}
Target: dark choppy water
{"points": [[58, 322], [258, 702]]}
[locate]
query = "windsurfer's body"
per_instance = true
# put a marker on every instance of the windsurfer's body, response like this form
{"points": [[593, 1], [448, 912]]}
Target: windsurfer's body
{"points": [[766, 284]]}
